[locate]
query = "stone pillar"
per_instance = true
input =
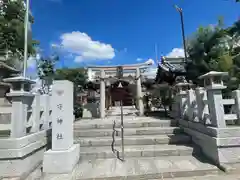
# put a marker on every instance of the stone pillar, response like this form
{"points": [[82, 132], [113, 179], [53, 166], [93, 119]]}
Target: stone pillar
{"points": [[20, 96], [102, 94], [182, 97], [202, 106], [236, 96], [36, 111], [46, 105], [214, 85], [192, 108], [139, 92], [64, 155]]}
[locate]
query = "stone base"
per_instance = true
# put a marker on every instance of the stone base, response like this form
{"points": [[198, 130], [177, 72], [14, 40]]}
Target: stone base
{"points": [[221, 145], [21, 168], [61, 162], [19, 156]]}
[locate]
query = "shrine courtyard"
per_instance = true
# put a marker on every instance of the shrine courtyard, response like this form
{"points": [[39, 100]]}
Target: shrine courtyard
{"points": [[116, 139]]}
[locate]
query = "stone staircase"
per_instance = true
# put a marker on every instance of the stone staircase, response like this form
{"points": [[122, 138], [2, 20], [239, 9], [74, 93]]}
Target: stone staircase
{"points": [[154, 149]]}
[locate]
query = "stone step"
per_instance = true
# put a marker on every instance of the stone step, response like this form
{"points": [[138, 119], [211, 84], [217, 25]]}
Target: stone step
{"points": [[128, 123], [207, 177], [134, 140], [144, 168], [128, 131], [104, 152]]}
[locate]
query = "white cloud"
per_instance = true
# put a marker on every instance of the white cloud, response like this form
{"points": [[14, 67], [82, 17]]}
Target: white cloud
{"points": [[84, 48], [139, 59], [176, 52]]}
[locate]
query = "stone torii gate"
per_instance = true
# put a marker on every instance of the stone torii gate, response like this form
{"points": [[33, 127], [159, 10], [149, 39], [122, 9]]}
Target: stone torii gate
{"points": [[131, 72]]}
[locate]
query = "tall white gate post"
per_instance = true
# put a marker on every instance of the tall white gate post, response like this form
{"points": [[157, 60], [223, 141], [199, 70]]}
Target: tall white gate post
{"points": [[139, 92], [102, 94]]}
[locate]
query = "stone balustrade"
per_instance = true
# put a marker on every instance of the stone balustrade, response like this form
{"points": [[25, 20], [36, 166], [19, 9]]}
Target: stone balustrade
{"points": [[202, 114], [24, 138], [40, 131]]}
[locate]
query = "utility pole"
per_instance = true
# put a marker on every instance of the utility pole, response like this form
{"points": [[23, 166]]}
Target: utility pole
{"points": [[26, 22], [180, 10]]}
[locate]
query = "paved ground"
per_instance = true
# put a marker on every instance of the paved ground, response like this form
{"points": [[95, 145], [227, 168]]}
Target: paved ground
{"points": [[147, 168], [211, 177]]}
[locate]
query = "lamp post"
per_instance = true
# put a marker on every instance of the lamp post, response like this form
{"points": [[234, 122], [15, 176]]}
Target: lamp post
{"points": [[26, 22], [180, 10]]}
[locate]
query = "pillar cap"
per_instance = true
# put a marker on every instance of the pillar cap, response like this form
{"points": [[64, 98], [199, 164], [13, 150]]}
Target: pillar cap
{"points": [[19, 79], [213, 73], [20, 94]]}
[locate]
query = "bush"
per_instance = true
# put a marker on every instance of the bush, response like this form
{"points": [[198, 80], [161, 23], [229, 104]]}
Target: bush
{"points": [[78, 110]]}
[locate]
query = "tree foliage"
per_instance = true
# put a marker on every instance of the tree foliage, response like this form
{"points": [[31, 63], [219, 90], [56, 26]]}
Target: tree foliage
{"points": [[214, 48], [12, 15], [46, 72], [46, 67], [79, 78], [77, 75]]}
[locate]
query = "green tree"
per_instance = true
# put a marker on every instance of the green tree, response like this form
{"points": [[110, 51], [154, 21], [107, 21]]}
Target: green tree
{"points": [[12, 15], [213, 48], [46, 71], [77, 75], [79, 78]]}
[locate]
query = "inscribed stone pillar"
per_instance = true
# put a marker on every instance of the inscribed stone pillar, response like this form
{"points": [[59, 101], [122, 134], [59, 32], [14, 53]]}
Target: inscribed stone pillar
{"points": [[64, 155], [139, 92], [62, 111], [102, 94]]}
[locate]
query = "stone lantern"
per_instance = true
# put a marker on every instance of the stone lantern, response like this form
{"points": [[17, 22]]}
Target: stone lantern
{"points": [[213, 83], [214, 80]]}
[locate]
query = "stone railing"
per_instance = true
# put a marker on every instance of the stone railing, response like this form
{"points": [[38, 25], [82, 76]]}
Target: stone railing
{"points": [[202, 115], [41, 131], [37, 118], [25, 133]]}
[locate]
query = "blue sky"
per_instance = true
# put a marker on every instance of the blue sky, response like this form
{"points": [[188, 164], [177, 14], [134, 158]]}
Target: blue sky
{"points": [[89, 32]]}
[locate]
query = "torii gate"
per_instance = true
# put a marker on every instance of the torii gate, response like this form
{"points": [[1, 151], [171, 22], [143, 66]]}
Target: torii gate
{"points": [[119, 72]]}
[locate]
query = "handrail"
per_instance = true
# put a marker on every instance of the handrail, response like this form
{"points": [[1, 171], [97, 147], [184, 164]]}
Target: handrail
{"points": [[115, 151]]}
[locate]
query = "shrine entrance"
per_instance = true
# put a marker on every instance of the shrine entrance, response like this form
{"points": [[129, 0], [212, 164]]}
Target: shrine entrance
{"points": [[122, 93]]}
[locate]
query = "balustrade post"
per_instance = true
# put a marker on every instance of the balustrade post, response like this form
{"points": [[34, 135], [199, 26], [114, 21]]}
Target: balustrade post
{"points": [[202, 106], [36, 113], [214, 85], [191, 100], [19, 94], [236, 96], [182, 95], [46, 105]]}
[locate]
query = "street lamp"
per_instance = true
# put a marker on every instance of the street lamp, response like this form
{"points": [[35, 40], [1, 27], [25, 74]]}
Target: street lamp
{"points": [[180, 10], [26, 22]]}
